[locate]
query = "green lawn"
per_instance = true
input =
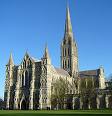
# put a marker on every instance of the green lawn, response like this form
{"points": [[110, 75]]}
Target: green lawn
{"points": [[55, 113]]}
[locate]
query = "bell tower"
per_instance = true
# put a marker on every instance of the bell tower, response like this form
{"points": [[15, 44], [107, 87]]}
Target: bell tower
{"points": [[69, 55]]}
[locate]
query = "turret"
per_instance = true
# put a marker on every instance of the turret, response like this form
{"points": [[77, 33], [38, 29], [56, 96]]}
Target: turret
{"points": [[101, 78], [10, 62], [9, 69], [46, 56], [9, 82]]}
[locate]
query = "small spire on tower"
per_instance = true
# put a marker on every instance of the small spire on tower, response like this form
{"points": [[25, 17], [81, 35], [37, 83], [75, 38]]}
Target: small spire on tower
{"points": [[46, 52], [26, 54], [11, 62]]}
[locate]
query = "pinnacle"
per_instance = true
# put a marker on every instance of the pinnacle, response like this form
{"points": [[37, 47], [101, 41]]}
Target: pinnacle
{"points": [[46, 53], [11, 62]]}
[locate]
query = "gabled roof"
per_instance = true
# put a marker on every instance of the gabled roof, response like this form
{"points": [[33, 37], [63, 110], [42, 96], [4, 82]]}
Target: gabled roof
{"points": [[27, 56], [62, 72], [89, 73], [35, 60]]}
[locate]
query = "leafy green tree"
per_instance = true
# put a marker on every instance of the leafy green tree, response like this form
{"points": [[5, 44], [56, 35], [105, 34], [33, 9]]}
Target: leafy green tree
{"points": [[88, 92], [110, 82], [60, 88], [1, 104]]}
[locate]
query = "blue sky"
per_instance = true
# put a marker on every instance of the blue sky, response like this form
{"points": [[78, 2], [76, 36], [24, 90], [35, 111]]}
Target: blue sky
{"points": [[29, 24]]}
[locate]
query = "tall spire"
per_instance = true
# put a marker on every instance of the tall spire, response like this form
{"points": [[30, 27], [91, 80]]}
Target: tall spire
{"points": [[68, 25], [11, 62], [69, 57]]}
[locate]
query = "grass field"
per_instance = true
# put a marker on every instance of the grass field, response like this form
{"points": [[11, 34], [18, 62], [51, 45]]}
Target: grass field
{"points": [[55, 113]]}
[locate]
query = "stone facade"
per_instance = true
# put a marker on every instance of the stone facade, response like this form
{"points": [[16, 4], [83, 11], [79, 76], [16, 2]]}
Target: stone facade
{"points": [[28, 85]]}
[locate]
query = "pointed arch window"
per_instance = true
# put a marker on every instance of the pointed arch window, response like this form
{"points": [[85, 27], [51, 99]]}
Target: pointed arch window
{"points": [[22, 79], [26, 78], [65, 63], [30, 77], [25, 64], [68, 51], [69, 42], [64, 42], [65, 51], [29, 63], [68, 63]]}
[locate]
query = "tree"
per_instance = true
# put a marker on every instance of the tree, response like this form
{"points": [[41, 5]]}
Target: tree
{"points": [[1, 104], [88, 92], [60, 88], [109, 82]]}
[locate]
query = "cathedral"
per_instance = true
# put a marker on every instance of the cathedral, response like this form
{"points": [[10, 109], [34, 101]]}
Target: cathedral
{"points": [[29, 85]]}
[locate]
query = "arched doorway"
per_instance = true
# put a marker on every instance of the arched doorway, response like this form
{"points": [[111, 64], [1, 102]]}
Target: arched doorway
{"points": [[24, 105]]}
